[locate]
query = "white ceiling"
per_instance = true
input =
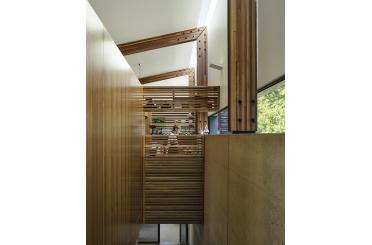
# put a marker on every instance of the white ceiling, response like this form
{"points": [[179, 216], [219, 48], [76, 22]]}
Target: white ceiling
{"points": [[161, 60], [131, 20]]}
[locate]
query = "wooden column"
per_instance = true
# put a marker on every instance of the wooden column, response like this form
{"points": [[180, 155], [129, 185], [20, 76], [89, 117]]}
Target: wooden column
{"points": [[242, 66], [202, 75]]}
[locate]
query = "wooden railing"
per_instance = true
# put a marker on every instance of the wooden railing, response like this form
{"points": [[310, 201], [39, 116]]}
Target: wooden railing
{"points": [[194, 99], [173, 179]]}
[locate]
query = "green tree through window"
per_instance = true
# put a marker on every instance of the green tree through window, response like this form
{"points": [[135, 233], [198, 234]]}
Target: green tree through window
{"points": [[271, 110]]}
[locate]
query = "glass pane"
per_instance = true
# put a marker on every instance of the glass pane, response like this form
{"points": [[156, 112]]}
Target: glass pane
{"points": [[149, 233], [271, 110], [170, 233]]}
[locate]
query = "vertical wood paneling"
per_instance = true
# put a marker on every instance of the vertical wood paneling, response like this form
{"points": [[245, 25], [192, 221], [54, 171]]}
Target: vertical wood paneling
{"points": [[115, 130], [94, 166]]}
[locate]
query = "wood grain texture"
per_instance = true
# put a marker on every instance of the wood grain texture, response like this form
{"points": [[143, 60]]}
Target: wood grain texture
{"points": [[173, 179], [190, 72], [181, 98], [202, 75], [244, 189], [162, 41], [115, 130], [242, 65]]}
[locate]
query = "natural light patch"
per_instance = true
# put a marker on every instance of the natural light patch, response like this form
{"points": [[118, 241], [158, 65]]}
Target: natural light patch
{"points": [[205, 17], [271, 110]]}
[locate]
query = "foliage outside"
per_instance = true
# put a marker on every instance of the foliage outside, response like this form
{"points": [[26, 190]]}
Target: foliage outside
{"points": [[271, 111]]}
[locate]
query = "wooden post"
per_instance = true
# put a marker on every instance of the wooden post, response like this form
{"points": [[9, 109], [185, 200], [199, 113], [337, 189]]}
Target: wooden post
{"points": [[242, 66], [202, 75]]}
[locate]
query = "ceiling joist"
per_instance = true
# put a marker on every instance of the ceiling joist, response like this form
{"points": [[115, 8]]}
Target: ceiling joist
{"points": [[161, 41], [190, 72]]}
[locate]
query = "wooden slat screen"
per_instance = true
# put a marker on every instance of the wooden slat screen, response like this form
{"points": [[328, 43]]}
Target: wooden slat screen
{"points": [[173, 179], [196, 99]]}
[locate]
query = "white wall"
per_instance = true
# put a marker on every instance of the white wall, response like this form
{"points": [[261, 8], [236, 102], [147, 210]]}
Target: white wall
{"points": [[271, 40], [217, 48]]}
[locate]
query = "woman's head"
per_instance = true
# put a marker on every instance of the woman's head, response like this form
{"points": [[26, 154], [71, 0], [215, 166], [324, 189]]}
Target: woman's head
{"points": [[175, 129]]}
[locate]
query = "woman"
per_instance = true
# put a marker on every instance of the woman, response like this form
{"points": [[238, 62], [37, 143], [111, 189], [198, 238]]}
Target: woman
{"points": [[172, 140]]}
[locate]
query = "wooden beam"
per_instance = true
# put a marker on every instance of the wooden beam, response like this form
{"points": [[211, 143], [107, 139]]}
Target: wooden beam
{"points": [[242, 65], [190, 72], [161, 41]]}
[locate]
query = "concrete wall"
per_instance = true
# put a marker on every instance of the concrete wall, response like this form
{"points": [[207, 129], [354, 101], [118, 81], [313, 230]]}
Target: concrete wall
{"points": [[244, 189]]}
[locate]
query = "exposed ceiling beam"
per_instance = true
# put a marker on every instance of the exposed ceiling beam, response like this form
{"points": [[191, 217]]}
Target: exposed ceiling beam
{"points": [[161, 41], [168, 75]]}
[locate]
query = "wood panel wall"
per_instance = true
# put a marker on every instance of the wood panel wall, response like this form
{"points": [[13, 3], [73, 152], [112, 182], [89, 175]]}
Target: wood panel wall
{"points": [[244, 189], [242, 65], [115, 130]]}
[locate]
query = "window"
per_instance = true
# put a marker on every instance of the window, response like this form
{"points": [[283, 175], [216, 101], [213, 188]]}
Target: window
{"points": [[271, 109], [218, 122]]}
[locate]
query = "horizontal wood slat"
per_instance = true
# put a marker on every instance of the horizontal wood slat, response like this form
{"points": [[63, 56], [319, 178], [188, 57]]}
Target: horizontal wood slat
{"points": [[173, 179], [161, 41], [195, 99]]}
